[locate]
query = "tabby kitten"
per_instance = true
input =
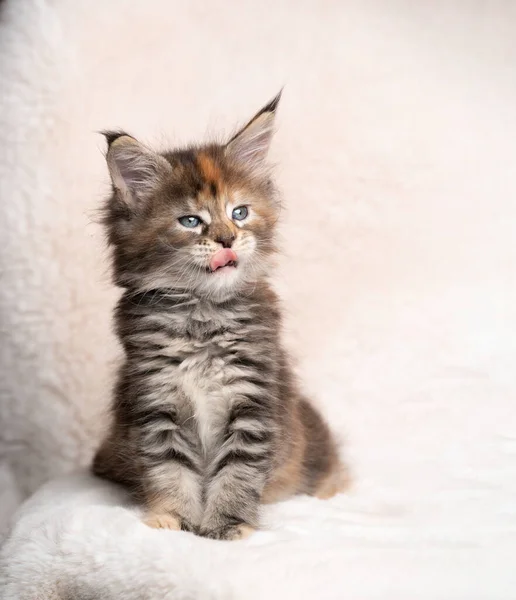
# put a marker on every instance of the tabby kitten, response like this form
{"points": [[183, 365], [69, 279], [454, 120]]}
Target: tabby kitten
{"points": [[208, 421]]}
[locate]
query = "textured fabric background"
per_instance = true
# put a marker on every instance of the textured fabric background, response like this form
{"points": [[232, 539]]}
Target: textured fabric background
{"points": [[396, 155]]}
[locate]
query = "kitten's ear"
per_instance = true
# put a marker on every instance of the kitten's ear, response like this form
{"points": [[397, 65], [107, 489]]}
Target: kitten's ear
{"points": [[251, 144], [136, 171]]}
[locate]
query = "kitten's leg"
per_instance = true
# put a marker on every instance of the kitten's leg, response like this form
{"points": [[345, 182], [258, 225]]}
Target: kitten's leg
{"points": [[172, 485], [238, 473]]}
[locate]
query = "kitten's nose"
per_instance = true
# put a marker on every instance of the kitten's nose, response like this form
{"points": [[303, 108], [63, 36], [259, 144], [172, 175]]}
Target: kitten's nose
{"points": [[226, 240]]}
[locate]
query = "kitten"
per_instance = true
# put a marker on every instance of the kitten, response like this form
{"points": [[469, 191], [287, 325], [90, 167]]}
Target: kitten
{"points": [[208, 420]]}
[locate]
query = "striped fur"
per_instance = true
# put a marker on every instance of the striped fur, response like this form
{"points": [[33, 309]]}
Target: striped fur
{"points": [[208, 421]]}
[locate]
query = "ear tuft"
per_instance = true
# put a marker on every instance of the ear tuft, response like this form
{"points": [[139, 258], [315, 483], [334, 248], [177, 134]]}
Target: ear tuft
{"points": [[251, 144], [112, 136], [273, 104]]}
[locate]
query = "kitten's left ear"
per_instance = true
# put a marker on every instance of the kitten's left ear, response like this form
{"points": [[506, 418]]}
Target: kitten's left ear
{"points": [[251, 144]]}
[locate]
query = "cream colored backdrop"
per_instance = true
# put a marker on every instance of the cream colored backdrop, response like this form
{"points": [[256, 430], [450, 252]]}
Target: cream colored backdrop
{"points": [[396, 151]]}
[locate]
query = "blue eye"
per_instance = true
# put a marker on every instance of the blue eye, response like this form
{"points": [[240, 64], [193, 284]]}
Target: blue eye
{"points": [[240, 213], [190, 221]]}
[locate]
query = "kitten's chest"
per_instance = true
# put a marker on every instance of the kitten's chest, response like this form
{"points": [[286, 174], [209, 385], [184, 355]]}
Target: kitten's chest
{"points": [[202, 379], [207, 343]]}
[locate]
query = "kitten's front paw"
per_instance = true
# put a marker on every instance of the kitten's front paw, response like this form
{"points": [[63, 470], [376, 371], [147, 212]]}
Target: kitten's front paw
{"points": [[229, 532], [162, 521]]}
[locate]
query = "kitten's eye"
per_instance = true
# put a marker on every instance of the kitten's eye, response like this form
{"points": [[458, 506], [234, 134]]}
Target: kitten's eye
{"points": [[240, 213], [190, 221]]}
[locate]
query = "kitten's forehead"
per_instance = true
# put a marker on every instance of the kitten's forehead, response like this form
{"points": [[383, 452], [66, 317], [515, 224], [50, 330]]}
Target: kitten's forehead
{"points": [[206, 181], [214, 193], [209, 169]]}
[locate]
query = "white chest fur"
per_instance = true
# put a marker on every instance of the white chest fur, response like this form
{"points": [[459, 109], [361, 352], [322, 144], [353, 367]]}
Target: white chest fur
{"points": [[202, 382]]}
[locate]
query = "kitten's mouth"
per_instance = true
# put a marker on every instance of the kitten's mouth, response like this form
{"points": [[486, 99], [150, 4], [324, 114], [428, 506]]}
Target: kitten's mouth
{"points": [[225, 259]]}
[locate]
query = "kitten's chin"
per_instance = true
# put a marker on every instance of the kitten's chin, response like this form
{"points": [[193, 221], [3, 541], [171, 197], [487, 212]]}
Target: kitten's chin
{"points": [[232, 279], [228, 270], [218, 285], [222, 283]]}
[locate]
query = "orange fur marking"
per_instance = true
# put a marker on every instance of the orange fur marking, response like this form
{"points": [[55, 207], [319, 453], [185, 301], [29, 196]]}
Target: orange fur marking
{"points": [[209, 169]]}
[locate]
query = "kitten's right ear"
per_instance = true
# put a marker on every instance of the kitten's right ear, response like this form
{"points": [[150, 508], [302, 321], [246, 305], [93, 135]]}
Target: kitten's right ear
{"points": [[136, 171]]}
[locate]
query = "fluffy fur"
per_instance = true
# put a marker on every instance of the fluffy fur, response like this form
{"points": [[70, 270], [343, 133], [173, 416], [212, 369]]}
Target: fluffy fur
{"points": [[208, 421]]}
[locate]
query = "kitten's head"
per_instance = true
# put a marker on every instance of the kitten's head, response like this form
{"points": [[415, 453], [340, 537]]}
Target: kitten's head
{"points": [[201, 219]]}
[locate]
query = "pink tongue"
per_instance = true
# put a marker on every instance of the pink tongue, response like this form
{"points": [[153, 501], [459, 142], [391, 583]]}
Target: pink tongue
{"points": [[222, 258]]}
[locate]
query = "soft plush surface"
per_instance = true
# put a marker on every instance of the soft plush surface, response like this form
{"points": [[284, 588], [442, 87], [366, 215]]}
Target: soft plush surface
{"points": [[396, 146], [77, 539]]}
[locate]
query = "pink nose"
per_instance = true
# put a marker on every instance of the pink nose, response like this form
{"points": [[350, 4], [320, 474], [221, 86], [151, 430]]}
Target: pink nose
{"points": [[222, 258]]}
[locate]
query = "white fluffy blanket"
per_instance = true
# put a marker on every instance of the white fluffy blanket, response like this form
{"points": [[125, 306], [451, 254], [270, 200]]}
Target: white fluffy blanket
{"points": [[396, 146], [77, 539]]}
